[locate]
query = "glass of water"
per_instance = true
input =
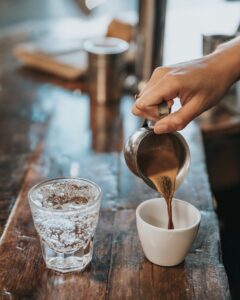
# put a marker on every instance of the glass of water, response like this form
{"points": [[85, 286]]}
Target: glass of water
{"points": [[65, 213]]}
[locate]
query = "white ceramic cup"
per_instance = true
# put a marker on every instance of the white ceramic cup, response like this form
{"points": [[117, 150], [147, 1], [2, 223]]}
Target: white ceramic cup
{"points": [[162, 246]]}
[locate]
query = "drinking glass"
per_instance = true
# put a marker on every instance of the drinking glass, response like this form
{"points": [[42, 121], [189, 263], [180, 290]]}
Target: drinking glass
{"points": [[65, 213]]}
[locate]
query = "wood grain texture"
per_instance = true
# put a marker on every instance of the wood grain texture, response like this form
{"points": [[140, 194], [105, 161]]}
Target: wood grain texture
{"points": [[49, 129], [134, 277]]}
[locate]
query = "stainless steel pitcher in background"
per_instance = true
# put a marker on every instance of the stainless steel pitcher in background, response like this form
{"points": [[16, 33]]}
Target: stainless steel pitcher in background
{"points": [[105, 68], [149, 34], [145, 139]]}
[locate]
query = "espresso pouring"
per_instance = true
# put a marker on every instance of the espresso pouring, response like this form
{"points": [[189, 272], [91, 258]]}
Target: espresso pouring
{"points": [[161, 166], [161, 160]]}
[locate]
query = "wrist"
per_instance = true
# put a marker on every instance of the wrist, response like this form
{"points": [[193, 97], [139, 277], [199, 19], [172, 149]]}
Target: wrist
{"points": [[227, 59]]}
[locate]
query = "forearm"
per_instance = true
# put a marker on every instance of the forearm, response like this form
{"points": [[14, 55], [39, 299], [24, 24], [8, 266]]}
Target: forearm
{"points": [[227, 56], [199, 84]]}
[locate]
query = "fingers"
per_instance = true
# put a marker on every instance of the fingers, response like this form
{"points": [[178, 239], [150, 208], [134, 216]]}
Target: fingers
{"points": [[164, 90], [162, 86], [151, 113], [179, 119], [146, 104], [157, 75], [170, 103]]}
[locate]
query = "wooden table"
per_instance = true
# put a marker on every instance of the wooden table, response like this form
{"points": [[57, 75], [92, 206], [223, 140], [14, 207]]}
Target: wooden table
{"points": [[49, 129]]}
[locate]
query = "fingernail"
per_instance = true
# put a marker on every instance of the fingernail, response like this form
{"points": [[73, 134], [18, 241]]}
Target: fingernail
{"points": [[136, 96], [161, 128]]}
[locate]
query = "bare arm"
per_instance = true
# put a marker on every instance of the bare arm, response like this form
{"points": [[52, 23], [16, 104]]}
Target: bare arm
{"points": [[200, 84]]}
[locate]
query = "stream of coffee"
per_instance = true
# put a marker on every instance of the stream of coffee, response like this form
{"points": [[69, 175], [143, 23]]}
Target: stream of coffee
{"points": [[161, 166]]}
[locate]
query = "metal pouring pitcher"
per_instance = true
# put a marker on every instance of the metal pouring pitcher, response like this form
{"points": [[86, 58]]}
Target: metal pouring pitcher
{"points": [[145, 139]]}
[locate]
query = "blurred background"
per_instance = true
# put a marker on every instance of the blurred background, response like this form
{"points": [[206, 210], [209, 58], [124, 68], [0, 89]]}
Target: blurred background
{"points": [[186, 21], [192, 28]]}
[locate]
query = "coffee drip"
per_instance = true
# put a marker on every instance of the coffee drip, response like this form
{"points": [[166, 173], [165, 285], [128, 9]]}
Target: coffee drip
{"points": [[161, 166]]}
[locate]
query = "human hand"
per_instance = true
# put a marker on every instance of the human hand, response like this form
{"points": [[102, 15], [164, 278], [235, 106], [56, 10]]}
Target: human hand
{"points": [[199, 84]]}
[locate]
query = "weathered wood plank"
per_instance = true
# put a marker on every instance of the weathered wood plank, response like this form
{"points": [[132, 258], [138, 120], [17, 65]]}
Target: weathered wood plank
{"points": [[123, 268], [12, 171], [132, 276], [126, 257], [21, 258], [83, 140]]}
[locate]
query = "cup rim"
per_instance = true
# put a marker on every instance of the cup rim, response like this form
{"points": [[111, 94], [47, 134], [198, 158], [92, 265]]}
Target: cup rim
{"points": [[57, 211], [164, 229], [106, 46]]}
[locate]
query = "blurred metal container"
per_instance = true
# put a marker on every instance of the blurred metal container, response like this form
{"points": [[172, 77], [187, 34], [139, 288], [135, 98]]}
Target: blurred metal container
{"points": [[150, 36], [105, 66]]}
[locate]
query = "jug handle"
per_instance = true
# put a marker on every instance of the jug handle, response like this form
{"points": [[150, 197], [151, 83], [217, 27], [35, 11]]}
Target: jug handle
{"points": [[163, 111]]}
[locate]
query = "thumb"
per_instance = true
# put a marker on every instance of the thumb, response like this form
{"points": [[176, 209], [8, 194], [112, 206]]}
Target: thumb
{"points": [[179, 119]]}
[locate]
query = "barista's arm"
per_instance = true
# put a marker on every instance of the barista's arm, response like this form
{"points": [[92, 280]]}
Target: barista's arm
{"points": [[200, 84]]}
